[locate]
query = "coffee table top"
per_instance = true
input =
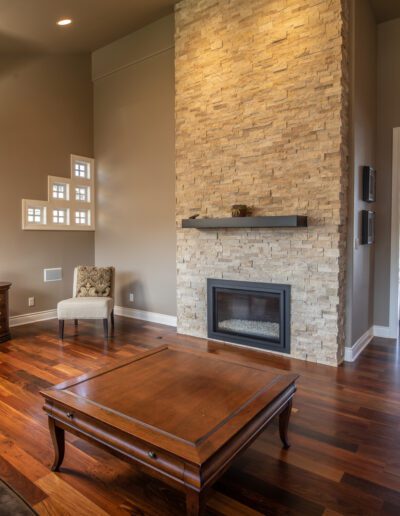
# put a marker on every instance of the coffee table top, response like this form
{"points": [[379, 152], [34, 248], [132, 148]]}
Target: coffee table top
{"points": [[188, 403]]}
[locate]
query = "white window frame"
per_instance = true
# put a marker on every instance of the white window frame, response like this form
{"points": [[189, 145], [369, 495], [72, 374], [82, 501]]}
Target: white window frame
{"points": [[38, 215], [82, 220], [57, 194], [58, 219], [78, 193], [28, 204], [69, 203], [81, 169]]}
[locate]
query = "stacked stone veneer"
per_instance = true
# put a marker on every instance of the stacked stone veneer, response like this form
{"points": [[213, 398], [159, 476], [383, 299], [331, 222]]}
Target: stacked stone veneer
{"points": [[261, 119]]}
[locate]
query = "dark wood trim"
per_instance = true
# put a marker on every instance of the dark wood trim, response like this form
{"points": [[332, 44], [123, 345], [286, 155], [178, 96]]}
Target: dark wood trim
{"points": [[5, 334]]}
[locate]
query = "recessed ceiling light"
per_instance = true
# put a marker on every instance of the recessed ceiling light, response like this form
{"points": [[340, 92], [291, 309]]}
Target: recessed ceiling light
{"points": [[64, 21]]}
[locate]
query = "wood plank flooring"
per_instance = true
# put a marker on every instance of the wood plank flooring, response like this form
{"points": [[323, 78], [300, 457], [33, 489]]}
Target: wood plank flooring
{"points": [[345, 429]]}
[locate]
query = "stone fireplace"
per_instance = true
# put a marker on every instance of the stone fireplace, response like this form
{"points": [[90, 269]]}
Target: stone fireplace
{"points": [[262, 120], [249, 313]]}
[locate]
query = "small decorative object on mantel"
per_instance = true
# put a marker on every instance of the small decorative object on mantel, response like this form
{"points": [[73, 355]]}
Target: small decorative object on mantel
{"points": [[240, 210], [369, 184], [368, 227], [193, 217]]}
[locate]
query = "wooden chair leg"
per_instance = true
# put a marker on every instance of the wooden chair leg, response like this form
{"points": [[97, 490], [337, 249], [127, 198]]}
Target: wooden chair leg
{"points": [[112, 319], [61, 328], [105, 326], [76, 322]]}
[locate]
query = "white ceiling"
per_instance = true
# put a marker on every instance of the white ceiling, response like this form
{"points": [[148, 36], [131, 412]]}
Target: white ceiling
{"points": [[30, 25]]}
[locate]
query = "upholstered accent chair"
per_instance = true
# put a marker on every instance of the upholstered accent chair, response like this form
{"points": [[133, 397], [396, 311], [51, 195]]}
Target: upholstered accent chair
{"points": [[93, 297]]}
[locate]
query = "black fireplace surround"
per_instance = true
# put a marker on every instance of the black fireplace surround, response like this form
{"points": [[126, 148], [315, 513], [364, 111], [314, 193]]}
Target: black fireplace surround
{"points": [[248, 313]]}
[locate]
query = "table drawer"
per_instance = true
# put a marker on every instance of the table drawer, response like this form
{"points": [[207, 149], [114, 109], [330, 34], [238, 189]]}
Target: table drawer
{"points": [[117, 440]]}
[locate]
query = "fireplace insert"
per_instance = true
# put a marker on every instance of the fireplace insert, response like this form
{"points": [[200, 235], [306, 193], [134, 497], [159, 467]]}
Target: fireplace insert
{"points": [[248, 313]]}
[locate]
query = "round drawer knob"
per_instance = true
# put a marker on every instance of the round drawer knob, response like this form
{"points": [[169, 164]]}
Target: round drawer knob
{"points": [[70, 415], [152, 455]]}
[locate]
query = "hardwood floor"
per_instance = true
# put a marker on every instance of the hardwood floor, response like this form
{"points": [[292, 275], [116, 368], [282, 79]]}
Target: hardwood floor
{"points": [[344, 459]]}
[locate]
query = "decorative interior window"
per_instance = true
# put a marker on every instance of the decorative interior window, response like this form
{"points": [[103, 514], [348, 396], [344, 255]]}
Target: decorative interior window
{"points": [[59, 191], [36, 215], [82, 217], [82, 169], [60, 216], [82, 193], [70, 205]]}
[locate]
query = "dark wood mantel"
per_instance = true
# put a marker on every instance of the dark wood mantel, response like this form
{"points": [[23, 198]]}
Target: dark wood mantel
{"points": [[278, 221]]}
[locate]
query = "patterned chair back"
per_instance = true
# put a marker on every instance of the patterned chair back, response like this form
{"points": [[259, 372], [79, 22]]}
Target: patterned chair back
{"points": [[90, 281]]}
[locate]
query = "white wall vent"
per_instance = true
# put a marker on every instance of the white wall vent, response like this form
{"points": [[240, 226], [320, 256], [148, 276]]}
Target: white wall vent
{"points": [[53, 274]]}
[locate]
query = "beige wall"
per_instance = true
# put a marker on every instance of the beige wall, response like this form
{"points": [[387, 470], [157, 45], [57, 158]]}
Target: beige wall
{"points": [[364, 133], [45, 115], [134, 149], [388, 119], [262, 119]]}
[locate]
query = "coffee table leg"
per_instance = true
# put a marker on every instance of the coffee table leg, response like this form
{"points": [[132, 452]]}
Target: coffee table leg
{"points": [[57, 436], [194, 503], [284, 417]]}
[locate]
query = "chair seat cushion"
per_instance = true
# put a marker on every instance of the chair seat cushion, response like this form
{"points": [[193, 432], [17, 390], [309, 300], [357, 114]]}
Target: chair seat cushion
{"points": [[85, 308]]}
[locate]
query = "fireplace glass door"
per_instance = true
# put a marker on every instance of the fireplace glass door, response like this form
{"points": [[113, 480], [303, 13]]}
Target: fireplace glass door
{"points": [[241, 313]]}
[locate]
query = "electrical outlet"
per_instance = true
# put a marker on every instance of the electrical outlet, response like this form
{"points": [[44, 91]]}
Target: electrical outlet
{"points": [[131, 297], [31, 301]]}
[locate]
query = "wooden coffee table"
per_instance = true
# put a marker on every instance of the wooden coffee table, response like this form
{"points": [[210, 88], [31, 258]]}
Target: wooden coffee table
{"points": [[180, 415]]}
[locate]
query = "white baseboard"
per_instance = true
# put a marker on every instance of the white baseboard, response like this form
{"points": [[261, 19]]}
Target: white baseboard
{"points": [[350, 354], [133, 313], [386, 332], [19, 320]]}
